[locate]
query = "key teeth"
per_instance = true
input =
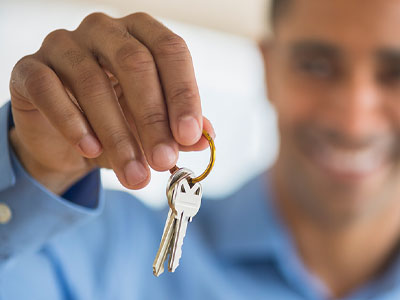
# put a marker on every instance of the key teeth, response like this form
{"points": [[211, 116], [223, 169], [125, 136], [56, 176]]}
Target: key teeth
{"points": [[178, 254], [174, 268], [162, 253]]}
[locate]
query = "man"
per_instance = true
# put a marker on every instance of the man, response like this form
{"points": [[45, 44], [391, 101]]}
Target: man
{"points": [[323, 223]]}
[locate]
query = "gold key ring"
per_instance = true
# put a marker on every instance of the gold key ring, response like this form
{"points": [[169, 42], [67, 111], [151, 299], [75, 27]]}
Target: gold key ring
{"points": [[210, 164]]}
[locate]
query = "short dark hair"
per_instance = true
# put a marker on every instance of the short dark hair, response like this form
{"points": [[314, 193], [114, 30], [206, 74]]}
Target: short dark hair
{"points": [[277, 9]]}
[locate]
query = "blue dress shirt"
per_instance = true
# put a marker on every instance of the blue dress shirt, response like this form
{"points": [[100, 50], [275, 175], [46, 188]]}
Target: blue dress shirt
{"points": [[93, 243]]}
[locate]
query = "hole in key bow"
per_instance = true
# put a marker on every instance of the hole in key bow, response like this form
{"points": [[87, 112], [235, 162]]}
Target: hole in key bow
{"points": [[198, 191]]}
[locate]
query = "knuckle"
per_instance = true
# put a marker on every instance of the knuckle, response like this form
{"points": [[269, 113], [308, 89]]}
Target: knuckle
{"points": [[116, 29], [92, 86], [183, 95], [56, 37], [71, 127], [74, 56], [99, 24], [117, 138], [39, 82], [90, 80], [153, 116], [140, 15], [23, 67], [130, 57], [94, 19], [172, 44]]}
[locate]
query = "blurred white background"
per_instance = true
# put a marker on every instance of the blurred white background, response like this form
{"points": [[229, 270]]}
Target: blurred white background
{"points": [[230, 76]]}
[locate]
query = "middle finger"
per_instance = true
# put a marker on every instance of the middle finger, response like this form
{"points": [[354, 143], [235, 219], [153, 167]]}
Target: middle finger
{"points": [[81, 73], [132, 63]]}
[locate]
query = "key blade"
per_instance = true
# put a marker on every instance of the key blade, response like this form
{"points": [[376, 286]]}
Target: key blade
{"points": [[187, 202], [161, 256], [174, 241], [178, 243]]}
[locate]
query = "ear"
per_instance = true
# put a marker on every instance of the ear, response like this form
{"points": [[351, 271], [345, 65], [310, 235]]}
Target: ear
{"points": [[265, 46]]}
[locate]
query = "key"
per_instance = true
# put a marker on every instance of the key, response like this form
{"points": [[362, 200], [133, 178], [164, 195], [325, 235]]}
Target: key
{"points": [[174, 178], [184, 198], [169, 228], [186, 201], [161, 256]]}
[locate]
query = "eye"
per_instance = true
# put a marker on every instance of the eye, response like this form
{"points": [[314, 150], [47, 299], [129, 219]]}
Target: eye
{"points": [[390, 74], [319, 67]]}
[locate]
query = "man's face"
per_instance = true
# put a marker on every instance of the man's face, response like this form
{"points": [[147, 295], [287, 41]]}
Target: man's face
{"points": [[333, 75]]}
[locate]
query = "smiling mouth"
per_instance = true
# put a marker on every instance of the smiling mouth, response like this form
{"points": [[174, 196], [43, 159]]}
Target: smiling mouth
{"points": [[346, 163], [349, 164]]}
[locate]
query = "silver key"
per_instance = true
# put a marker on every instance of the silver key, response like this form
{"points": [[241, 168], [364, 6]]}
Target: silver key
{"points": [[161, 256], [169, 228], [186, 201]]}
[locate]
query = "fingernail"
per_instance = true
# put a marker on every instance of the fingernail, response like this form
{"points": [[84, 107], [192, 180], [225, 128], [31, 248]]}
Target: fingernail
{"points": [[135, 173], [189, 130], [164, 156], [212, 133], [89, 145]]}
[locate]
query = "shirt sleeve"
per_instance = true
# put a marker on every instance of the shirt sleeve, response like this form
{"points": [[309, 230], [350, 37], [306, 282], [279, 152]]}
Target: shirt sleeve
{"points": [[85, 191], [37, 214]]}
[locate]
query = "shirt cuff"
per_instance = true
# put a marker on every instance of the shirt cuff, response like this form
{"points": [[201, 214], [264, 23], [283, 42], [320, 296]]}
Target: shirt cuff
{"points": [[86, 191], [37, 213]]}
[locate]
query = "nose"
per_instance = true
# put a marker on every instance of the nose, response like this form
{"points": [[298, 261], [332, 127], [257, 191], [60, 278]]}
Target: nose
{"points": [[355, 106]]}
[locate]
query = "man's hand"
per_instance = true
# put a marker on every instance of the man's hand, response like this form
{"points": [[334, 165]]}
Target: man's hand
{"points": [[115, 93]]}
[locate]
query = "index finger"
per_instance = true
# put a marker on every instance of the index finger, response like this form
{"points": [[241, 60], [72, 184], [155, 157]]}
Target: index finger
{"points": [[175, 67]]}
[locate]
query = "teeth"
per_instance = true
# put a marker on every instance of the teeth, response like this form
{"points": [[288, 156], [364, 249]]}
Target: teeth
{"points": [[351, 162]]}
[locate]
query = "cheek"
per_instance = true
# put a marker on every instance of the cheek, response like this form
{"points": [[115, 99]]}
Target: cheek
{"points": [[297, 97], [299, 102], [295, 103], [392, 109]]}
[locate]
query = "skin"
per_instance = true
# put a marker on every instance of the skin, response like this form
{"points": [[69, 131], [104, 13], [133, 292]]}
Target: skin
{"points": [[114, 93], [333, 76], [109, 92]]}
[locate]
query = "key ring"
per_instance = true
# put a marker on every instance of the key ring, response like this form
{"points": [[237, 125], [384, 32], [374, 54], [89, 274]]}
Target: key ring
{"points": [[210, 164]]}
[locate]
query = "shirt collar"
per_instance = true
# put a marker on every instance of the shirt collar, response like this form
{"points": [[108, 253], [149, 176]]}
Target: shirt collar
{"points": [[7, 176]]}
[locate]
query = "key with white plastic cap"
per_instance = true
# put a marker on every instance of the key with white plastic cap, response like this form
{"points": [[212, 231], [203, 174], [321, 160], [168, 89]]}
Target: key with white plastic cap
{"points": [[187, 202]]}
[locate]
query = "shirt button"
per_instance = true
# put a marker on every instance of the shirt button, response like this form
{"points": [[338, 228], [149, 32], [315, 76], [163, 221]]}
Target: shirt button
{"points": [[5, 213]]}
